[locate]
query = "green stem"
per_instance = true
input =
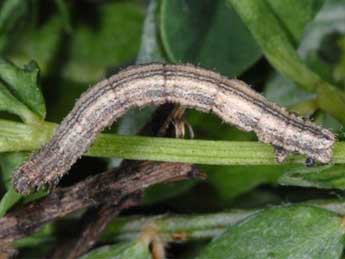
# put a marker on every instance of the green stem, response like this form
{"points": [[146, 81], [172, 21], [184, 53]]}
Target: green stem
{"points": [[195, 226], [278, 49], [191, 227], [16, 136]]}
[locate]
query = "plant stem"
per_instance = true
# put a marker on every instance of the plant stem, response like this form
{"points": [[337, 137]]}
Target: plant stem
{"points": [[16, 136], [196, 226], [176, 227]]}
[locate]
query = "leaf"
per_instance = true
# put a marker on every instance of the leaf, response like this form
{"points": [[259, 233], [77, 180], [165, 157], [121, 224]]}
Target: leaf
{"points": [[150, 47], [285, 92], [208, 33], [114, 41], [11, 104], [8, 162], [8, 200], [231, 181], [279, 50], [44, 234], [286, 232], [65, 15], [23, 84], [135, 249], [40, 44], [10, 12], [329, 22], [150, 51], [318, 177], [339, 70], [302, 11]]}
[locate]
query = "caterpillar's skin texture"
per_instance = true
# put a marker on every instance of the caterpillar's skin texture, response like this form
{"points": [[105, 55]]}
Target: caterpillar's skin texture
{"points": [[137, 86]]}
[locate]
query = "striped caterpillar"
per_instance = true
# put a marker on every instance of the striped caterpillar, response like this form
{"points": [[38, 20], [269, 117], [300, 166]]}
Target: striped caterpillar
{"points": [[194, 87]]}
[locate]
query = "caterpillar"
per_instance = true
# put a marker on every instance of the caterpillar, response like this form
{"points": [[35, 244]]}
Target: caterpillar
{"points": [[230, 99]]}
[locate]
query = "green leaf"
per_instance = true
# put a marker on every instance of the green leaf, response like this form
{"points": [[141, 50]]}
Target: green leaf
{"points": [[319, 49], [8, 163], [8, 200], [279, 50], [339, 70], [302, 11], [319, 177], [40, 44], [208, 33], [23, 84], [112, 42], [65, 15], [11, 104], [231, 181], [285, 92], [135, 249], [43, 235], [10, 12], [150, 51], [286, 232], [150, 47]]}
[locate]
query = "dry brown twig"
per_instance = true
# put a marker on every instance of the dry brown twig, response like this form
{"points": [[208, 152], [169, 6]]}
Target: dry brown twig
{"points": [[106, 188], [96, 220], [168, 120]]}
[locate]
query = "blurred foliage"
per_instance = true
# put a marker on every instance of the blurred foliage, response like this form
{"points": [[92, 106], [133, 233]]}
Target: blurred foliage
{"points": [[293, 51]]}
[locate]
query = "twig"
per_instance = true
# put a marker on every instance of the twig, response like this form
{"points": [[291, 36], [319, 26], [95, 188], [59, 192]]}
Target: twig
{"points": [[107, 188], [161, 125], [96, 220], [6, 250]]}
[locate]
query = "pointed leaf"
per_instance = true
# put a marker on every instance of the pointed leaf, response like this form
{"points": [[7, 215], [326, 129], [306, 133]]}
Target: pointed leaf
{"points": [[8, 162], [318, 177], [23, 84]]}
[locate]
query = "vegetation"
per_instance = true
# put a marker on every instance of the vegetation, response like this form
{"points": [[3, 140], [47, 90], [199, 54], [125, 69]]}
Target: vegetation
{"points": [[292, 51]]}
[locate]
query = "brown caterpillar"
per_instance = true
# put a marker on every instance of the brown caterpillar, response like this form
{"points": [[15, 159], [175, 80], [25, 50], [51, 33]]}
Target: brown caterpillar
{"points": [[230, 99]]}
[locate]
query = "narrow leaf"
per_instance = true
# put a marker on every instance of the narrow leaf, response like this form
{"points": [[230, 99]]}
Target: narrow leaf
{"points": [[279, 50], [8, 163], [8, 200], [318, 177]]}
